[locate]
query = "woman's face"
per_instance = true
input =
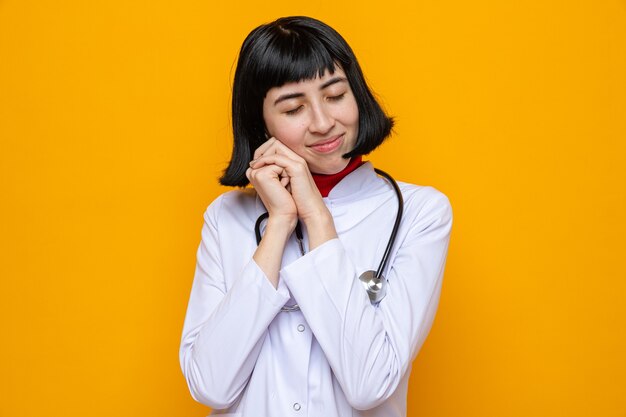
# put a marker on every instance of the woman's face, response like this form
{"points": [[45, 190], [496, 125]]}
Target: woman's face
{"points": [[318, 119]]}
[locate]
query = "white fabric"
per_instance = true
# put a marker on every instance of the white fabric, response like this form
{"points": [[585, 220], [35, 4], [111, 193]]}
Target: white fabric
{"points": [[340, 355]]}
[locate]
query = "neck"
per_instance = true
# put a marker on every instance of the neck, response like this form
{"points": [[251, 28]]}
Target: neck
{"points": [[326, 182]]}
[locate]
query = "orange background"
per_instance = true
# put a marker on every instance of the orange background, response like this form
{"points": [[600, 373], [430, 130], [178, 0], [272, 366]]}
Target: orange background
{"points": [[114, 126]]}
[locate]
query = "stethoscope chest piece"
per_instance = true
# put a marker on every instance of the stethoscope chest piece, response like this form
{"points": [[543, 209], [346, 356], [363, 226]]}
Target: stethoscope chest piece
{"points": [[376, 287]]}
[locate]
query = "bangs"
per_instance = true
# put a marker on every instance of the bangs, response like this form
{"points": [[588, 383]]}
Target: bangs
{"points": [[291, 56]]}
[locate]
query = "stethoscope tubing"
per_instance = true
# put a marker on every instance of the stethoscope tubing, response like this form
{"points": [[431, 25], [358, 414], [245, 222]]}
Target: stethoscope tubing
{"points": [[396, 225]]}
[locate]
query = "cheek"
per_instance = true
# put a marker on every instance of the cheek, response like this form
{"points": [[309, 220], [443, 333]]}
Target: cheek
{"points": [[288, 132], [355, 117], [352, 121], [351, 114]]}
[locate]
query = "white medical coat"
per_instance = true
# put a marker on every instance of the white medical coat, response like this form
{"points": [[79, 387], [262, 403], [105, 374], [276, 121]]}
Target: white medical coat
{"points": [[339, 355]]}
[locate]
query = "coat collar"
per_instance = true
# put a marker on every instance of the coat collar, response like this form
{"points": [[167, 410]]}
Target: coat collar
{"points": [[362, 181]]}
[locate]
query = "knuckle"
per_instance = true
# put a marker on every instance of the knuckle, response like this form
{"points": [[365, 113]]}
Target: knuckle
{"points": [[264, 173]]}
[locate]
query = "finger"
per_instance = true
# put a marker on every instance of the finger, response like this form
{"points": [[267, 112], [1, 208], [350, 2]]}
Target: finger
{"points": [[292, 167], [289, 167], [282, 149], [261, 149], [283, 177], [277, 147], [266, 173]]}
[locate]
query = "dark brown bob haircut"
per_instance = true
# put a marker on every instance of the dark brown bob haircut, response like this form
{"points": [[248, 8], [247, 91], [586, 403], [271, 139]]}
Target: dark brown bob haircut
{"points": [[293, 49]]}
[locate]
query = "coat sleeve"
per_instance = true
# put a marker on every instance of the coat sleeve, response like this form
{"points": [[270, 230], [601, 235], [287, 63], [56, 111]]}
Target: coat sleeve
{"points": [[370, 348], [224, 327]]}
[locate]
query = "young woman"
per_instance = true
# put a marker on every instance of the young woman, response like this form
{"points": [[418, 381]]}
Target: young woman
{"points": [[319, 307]]}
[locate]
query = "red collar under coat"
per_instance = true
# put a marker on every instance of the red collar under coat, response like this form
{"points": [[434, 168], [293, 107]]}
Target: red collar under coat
{"points": [[326, 182]]}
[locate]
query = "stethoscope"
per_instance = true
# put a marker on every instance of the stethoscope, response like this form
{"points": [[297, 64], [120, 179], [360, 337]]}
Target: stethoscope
{"points": [[374, 282]]}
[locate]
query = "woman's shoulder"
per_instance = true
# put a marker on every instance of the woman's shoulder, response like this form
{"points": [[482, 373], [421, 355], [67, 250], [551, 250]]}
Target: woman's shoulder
{"points": [[422, 193], [239, 202], [424, 200]]}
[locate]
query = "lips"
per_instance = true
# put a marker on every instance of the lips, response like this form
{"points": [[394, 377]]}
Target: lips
{"points": [[328, 145]]}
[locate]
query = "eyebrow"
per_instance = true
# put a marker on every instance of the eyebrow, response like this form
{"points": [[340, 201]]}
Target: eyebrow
{"points": [[327, 84]]}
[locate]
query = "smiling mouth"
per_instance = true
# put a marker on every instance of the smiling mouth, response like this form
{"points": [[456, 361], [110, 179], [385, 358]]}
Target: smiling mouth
{"points": [[328, 145]]}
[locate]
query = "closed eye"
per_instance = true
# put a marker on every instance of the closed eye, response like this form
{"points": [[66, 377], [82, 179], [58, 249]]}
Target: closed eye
{"points": [[336, 98], [293, 111]]}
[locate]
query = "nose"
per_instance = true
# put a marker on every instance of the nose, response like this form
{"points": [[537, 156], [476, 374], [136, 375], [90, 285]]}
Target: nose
{"points": [[322, 120]]}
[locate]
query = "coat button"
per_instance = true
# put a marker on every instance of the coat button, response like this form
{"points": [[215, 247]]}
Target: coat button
{"points": [[296, 406], [300, 327]]}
